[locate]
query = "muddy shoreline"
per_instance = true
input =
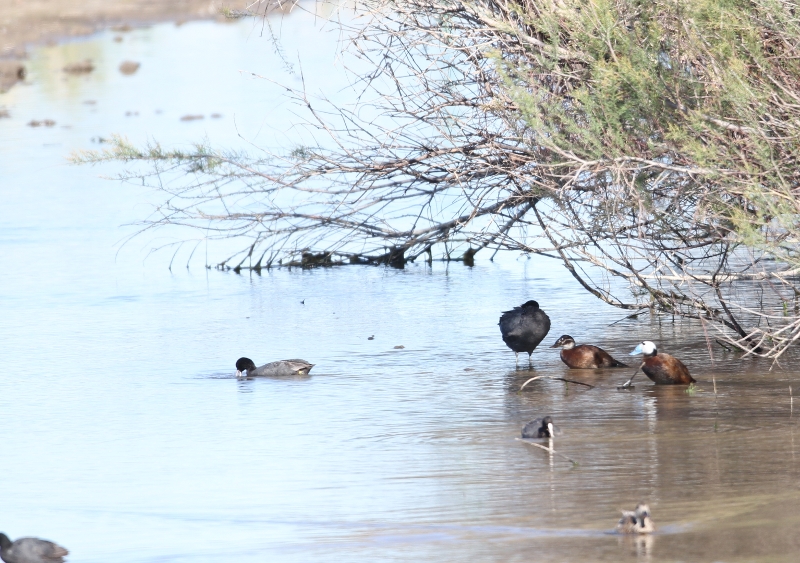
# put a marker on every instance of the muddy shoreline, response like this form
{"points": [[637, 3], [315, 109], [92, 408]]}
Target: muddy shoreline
{"points": [[24, 23]]}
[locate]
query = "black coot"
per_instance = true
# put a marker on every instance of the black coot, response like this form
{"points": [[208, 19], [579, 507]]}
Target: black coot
{"points": [[524, 327]]}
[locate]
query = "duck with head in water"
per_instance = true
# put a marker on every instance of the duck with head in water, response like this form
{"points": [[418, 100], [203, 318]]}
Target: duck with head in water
{"points": [[636, 522], [541, 428], [584, 356], [281, 368], [524, 327], [663, 369]]}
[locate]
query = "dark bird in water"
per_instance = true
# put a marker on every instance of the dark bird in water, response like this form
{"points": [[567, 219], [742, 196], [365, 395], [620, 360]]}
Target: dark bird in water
{"points": [[272, 369], [636, 522], [524, 327], [584, 356], [541, 428], [31, 550], [663, 369]]}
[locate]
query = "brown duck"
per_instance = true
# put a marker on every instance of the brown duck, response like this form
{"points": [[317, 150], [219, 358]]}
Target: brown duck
{"points": [[636, 522], [584, 356], [663, 369]]}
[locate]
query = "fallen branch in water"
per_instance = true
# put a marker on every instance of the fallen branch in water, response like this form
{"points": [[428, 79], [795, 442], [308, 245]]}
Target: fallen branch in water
{"points": [[558, 378], [549, 450]]}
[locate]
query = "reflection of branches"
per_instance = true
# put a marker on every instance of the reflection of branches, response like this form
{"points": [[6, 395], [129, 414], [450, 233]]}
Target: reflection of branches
{"points": [[482, 124]]}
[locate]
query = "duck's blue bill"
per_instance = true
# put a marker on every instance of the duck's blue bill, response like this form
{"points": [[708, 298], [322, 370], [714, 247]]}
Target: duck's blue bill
{"points": [[637, 350]]}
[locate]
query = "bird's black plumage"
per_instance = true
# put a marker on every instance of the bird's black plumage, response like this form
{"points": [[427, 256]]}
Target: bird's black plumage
{"points": [[30, 550], [524, 327], [541, 428]]}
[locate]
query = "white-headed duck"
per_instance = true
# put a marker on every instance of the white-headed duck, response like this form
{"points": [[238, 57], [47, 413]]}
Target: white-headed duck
{"points": [[584, 356], [524, 327], [31, 550], [541, 428], [273, 369], [636, 522], [663, 369]]}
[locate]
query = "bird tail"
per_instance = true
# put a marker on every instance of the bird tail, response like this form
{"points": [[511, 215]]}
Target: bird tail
{"points": [[618, 364]]}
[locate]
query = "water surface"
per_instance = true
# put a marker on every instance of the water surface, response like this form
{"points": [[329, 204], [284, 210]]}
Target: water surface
{"points": [[126, 437]]}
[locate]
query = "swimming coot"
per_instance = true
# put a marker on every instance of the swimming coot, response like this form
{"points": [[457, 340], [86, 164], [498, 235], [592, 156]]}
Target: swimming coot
{"points": [[584, 356], [31, 550], [272, 369], [541, 428], [524, 327]]}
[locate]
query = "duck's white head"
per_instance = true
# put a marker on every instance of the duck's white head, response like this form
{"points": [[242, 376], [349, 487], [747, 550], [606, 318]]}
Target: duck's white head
{"points": [[642, 511], [647, 348]]}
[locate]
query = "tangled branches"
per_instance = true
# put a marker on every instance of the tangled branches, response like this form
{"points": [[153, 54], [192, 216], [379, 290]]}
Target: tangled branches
{"points": [[651, 147]]}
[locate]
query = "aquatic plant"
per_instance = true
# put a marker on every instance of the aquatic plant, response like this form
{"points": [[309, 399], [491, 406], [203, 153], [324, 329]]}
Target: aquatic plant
{"points": [[651, 147]]}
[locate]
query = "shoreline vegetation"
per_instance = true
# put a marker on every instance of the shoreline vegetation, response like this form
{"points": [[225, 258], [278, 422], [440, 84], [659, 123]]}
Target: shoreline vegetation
{"points": [[653, 144]]}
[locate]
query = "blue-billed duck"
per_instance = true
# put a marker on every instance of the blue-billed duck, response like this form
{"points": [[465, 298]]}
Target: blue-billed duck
{"points": [[584, 356], [541, 428], [636, 522], [272, 369], [663, 369], [31, 550], [524, 327]]}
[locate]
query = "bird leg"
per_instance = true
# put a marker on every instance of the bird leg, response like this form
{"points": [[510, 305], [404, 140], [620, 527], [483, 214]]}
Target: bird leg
{"points": [[530, 361], [517, 355], [627, 384]]}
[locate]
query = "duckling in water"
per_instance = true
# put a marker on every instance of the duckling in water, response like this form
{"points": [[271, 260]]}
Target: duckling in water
{"points": [[524, 327], [584, 356], [636, 522], [272, 369], [541, 428], [31, 550], [663, 369]]}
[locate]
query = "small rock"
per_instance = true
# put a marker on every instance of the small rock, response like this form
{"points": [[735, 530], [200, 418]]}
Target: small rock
{"points": [[399, 347], [82, 67], [191, 117], [129, 67]]}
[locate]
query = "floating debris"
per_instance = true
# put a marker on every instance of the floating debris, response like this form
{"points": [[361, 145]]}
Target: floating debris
{"points": [[44, 122], [82, 67], [129, 67], [11, 72], [399, 347], [192, 117], [216, 115]]}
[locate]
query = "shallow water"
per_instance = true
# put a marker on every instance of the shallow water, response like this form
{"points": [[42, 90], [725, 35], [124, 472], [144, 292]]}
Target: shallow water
{"points": [[126, 437]]}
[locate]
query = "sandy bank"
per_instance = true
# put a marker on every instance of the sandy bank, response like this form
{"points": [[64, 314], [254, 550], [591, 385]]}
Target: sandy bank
{"points": [[26, 22]]}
